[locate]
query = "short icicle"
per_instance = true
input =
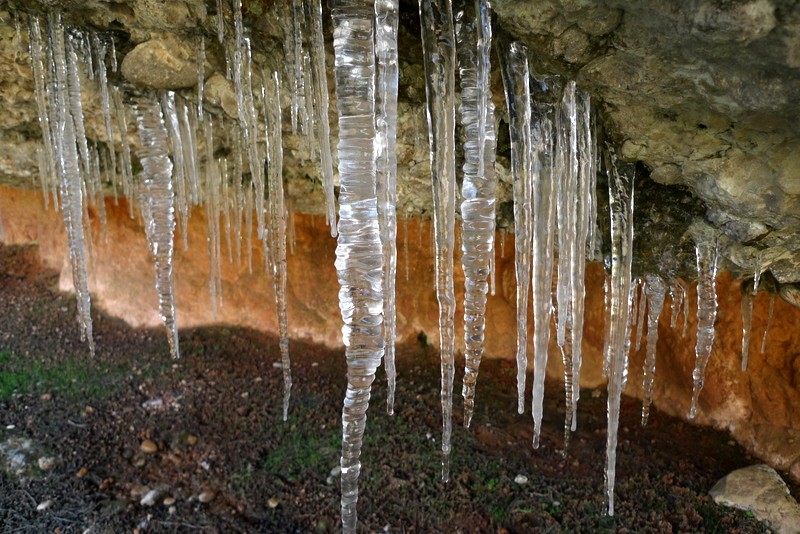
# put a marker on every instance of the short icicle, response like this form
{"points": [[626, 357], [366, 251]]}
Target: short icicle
{"points": [[707, 255], [516, 81], [473, 26], [620, 186], [359, 255], [158, 206], [277, 230], [655, 291], [438, 48], [386, 21]]}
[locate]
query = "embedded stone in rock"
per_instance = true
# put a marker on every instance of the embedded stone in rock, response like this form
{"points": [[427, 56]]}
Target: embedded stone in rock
{"points": [[760, 490], [219, 91], [164, 63]]}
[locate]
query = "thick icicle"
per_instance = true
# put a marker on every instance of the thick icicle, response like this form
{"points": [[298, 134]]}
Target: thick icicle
{"points": [[438, 49], [320, 82], [48, 165], [748, 296], [516, 81], [655, 290], [65, 91], [544, 209], [386, 20], [474, 33], [358, 252], [620, 189], [158, 197], [641, 311], [707, 254], [277, 231]]}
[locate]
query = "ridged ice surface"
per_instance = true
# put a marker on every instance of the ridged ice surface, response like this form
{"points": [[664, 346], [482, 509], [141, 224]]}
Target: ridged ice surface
{"points": [[386, 21], [359, 255], [516, 81], [438, 47], [707, 254], [158, 201], [473, 32], [620, 190], [655, 292]]}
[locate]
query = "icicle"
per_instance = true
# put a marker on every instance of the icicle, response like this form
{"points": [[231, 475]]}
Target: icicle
{"points": [[438, 48], [47, 165], [248, 117], [544, 208], [493, 273], [405, 246], [358, 253], [126, 164], [707, 254], [277, 232], [655, 290], [757, 273], [212, 219], [189, 145], [169, 108], [566, 172], [585, 220], [201, 75], [620, 189], [641, 311], [297, 86], [502, 243], [220, 21], [516, 76], [747, 321], [249, 226], [386, 21], [320, 82], [65, 92], [677, 292], [685, 312], [105, 103], [606, 324], [159, 200], [473, 31], [769, 322]]}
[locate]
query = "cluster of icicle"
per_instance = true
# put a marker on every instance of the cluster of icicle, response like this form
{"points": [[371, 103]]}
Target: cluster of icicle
{"points": [[554, 165], [176, 150]]}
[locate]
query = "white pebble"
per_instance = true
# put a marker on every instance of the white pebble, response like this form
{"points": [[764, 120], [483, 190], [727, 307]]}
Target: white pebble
{"points": [[44, 505], [521, 479]]}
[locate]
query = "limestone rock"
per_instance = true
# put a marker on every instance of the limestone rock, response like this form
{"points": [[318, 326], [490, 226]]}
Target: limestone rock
{"points": [[162, 63], [760, 490]]}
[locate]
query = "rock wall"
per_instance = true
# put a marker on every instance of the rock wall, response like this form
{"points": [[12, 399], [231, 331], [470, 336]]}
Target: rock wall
{"points": [[757, 407]]}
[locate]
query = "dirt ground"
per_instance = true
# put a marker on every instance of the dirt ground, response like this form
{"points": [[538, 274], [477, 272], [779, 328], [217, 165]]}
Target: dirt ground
{"points": [[132, 441]]}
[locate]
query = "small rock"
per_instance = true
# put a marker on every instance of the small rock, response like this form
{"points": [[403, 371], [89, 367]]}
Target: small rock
{"points": [[169, 501], [44, 505], [11, 427], [46, 463], [172, 510], [207, 496], [82, 472], [277, 365], [273, 502], [88, 410], [521, 479], [148, 446], [153, 404], [46, 397], [191, 439], [760, 490], [150, 497], [139, 461], [167, 63]]}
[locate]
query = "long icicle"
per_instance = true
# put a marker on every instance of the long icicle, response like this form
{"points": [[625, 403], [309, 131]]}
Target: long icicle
{"points": [[620, 189], [516, 81], [158, 204], [707, 255], [474, 36], [358, 252], [386, 21], [748, 296], [655, 290], [438, 48], [320, 83], [277, 232]]}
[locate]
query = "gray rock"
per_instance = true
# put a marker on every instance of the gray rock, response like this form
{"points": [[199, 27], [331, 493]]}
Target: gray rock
{"points": [[760, 490]]}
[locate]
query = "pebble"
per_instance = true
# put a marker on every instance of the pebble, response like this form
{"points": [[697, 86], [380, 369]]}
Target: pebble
{"points": [[46, 463], [148, 446], [206, 496], [191, 439], [277, 365], [273, 502], [521, 479], [150, 497], [44, 505], [11, 427], [46, 397], [82, 472], [169, 501]]}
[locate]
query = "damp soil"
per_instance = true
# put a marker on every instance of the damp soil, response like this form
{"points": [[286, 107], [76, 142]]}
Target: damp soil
{"points": [[221, 458]]}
